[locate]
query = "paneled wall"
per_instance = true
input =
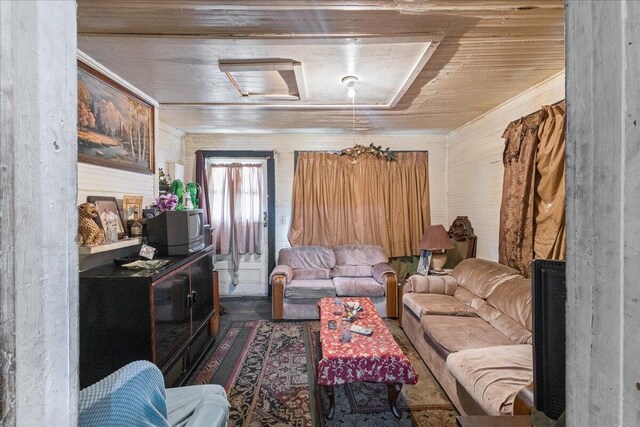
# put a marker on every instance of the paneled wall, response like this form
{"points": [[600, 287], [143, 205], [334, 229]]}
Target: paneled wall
{"points": [[285, 144], [100, 181], [474, 162]]}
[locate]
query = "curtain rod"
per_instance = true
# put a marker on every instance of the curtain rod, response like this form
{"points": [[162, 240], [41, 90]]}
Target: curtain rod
{"points": [[234, 164], [540, 109]]}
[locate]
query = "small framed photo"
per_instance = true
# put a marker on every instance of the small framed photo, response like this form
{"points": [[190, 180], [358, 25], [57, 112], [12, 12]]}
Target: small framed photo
{"points": [[108, 212], [425, 261], [131, 204]]}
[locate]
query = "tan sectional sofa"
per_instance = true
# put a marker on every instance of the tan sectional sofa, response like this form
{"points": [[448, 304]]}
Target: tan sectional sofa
{"points": [[473, 330], [305, 274]]}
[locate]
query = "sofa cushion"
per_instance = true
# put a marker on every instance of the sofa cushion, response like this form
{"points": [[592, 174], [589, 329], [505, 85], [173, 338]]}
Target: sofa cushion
{"points": [[466, 297], [481, 276], [421, 304], [493, 375], [351, 271], [307, 257], [311, 273], [359, 255], [457, 333], [433, 284], [204, 404], [358, 287], [503, 323], [303, 289], [513, 298]]}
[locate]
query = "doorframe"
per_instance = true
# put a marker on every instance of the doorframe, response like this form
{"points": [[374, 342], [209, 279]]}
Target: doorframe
{"points": [[271, 195]]}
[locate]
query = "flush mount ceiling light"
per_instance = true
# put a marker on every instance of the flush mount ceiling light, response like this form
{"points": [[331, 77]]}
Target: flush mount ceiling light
{"points": [[350, 82]]}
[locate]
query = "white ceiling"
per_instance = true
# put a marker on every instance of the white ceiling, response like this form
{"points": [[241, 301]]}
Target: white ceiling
{"points": [[480, 53]]}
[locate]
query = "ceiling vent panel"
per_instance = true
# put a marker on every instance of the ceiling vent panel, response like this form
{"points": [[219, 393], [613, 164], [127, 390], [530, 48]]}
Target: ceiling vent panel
{"points": [[269, 79]]}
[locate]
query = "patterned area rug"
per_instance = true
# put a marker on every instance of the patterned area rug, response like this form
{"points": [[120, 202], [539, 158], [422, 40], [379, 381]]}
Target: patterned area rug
{"points": [[266, 368]]}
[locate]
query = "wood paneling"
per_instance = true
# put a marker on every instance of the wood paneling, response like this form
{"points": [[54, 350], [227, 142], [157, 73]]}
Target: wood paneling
{"points": [[474, 162], [284, 146], [101, 181], [490, 52]]}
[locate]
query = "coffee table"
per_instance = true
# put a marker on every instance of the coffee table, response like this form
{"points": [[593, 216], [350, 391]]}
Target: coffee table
{"points": [[375, 358]]}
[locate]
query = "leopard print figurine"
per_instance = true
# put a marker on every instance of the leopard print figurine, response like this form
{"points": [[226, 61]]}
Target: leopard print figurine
{"points": [[89, 234]]}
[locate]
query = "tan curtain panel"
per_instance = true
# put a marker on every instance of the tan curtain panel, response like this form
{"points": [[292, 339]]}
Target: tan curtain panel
{"points": [[516, 211], [371, 201], [550, 198], [532, 214]]}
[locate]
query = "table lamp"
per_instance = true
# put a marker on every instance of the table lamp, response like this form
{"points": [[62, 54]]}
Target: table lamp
{"points": [[436, 239]]}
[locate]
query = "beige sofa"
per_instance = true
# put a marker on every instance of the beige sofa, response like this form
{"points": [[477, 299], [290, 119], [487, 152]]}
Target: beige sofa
{"points": [[305, 274], [473, 330]]}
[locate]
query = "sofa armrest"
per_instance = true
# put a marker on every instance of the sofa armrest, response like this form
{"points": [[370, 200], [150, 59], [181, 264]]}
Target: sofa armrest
{"points": [[283, 270], [445, 285], [133, 392], [391, 292], [403, 288], [523, 402], [379, 271], [278, 282]]}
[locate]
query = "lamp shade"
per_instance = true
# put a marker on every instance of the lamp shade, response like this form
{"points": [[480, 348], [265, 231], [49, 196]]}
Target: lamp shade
{"points": [[435, 238]]}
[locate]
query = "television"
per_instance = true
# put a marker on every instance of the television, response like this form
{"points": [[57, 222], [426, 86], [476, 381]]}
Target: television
{"points": [[549, 298], [175, 233]]}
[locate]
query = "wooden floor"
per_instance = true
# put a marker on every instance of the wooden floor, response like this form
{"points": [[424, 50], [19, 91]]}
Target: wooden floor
{"points": [[243, 309]]}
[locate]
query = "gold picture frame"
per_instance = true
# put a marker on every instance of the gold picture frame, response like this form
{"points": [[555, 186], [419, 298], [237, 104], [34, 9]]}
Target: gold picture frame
{"points": [[115, 126], [131, 202]]}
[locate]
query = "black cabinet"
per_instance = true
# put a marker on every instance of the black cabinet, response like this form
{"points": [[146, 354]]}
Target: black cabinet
{"points": [[165, 316]]}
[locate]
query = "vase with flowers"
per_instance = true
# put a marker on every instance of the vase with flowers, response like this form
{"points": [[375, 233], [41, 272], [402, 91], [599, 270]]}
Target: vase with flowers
{"points": [[167, 202]]}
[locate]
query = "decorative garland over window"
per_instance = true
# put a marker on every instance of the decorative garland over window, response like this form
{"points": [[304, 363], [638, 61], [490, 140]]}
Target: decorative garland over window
{"points": [[360, 150]]}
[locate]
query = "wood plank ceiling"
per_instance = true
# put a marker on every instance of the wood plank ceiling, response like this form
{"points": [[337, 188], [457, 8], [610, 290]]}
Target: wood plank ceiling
{"points": [[489, 52]]}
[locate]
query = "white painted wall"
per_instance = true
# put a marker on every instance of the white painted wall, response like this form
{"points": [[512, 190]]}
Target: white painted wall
{"points": [[474, 162], [102, 181], [285, 144]]}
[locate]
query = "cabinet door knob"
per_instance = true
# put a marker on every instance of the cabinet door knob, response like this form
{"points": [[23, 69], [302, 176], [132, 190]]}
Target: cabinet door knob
{"points": [[193, 297]]}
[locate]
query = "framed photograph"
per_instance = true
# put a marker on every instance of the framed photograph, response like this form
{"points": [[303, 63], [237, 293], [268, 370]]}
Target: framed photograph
{"points": [[131, 203], [115, 126], [108, 212], [425, 261]]}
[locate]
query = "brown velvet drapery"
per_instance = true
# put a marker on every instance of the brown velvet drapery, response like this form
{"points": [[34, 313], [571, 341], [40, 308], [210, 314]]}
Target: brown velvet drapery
{"points": [[532, 212], [549, 233], [371, 201]]}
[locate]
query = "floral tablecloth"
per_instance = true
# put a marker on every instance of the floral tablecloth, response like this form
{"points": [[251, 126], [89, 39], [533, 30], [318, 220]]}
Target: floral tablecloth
{"points": [[375, 358]]}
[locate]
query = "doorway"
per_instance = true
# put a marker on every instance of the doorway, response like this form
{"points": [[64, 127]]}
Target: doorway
{"points": [[242, 205]]}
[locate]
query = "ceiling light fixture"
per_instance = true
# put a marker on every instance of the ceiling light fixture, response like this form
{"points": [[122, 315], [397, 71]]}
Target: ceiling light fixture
{"points": [[350, 82]]}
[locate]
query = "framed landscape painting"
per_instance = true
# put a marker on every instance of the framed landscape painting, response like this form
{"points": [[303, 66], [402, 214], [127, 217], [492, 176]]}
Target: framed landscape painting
{"points": [[115, 127]]}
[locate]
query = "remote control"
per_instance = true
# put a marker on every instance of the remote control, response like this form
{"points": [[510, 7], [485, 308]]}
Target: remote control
{"points": [[361, 330]]}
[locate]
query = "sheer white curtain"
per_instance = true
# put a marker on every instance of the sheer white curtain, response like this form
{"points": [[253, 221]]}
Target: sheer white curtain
{"points": [[236, 195]]}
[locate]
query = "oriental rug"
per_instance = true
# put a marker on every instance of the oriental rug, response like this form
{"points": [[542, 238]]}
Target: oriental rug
{"points": [[267, 370]]}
